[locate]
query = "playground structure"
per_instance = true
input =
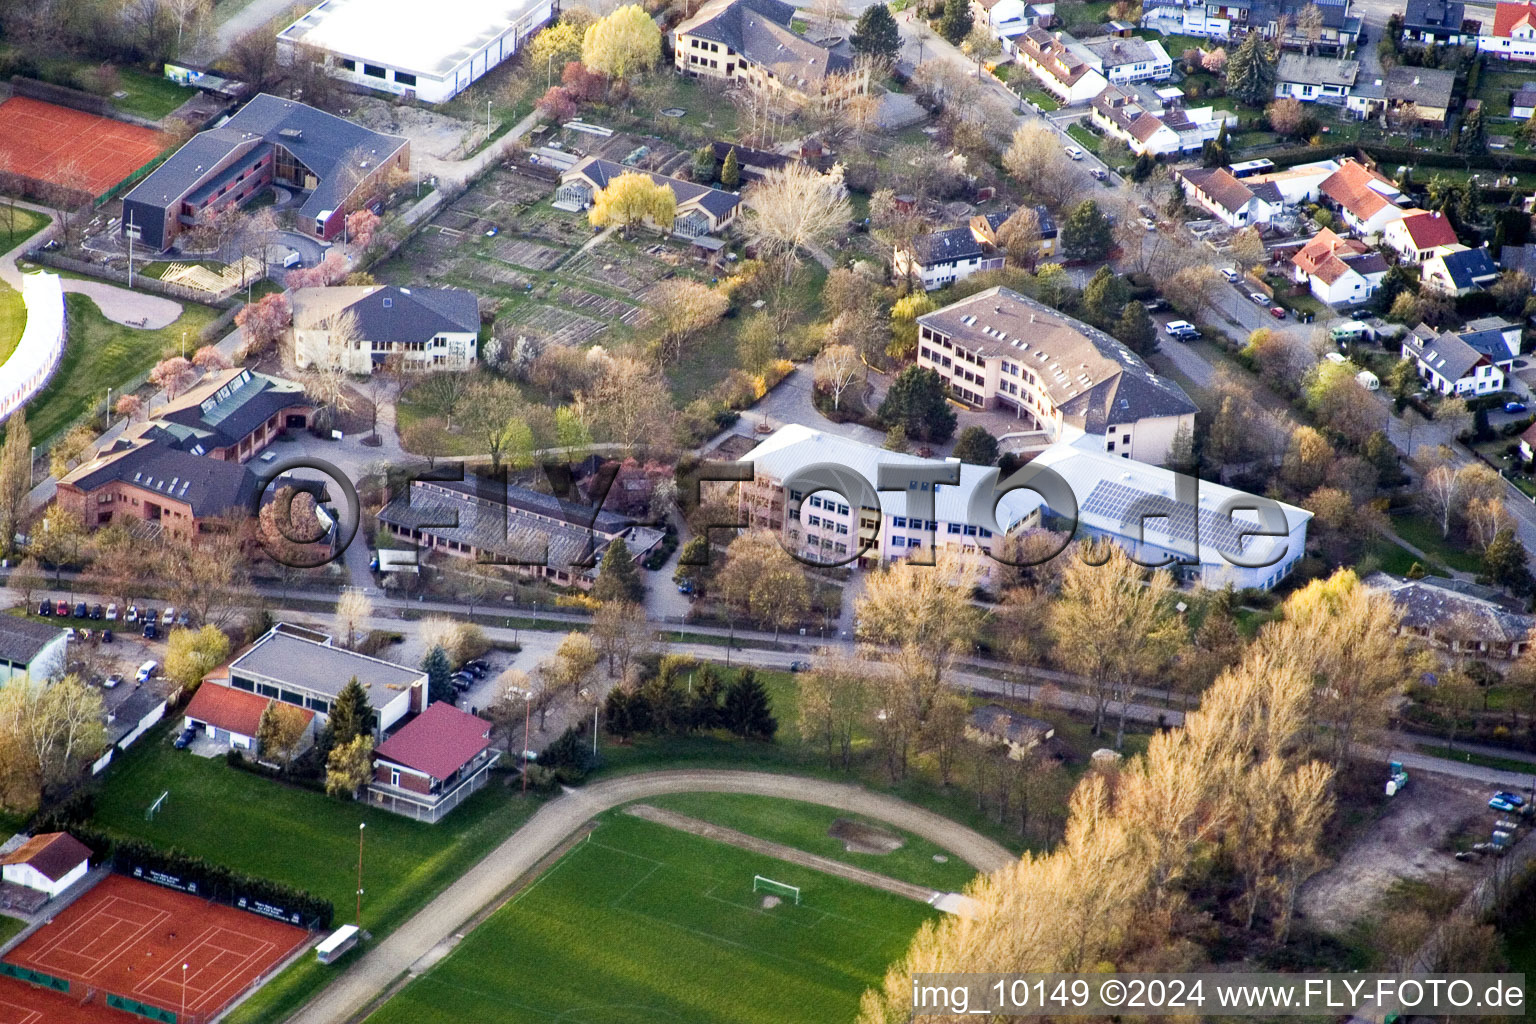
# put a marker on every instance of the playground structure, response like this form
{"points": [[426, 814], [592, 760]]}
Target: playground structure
{"points": [[218, 284]]}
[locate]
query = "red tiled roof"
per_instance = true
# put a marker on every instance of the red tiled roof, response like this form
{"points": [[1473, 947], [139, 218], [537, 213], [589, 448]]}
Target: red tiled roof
{"points": [[1428, 230], [233, 710], [1350, 187], [1508, 17], [1326, 248], [52, 854], [439, 741]]}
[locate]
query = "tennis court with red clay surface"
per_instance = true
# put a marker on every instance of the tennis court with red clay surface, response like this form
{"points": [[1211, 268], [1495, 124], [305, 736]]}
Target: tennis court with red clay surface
{"points": [[70, 147], [131, 938]]}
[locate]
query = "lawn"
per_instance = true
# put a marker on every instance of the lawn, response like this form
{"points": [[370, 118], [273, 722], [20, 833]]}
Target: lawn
{"points": [[1085, 138], [101, 355], [20, 224], [1039, 97], [300, 837], [1423, 534], [1503, 764], [804, 826], [1494, 88], [10, 927], [642, 923], [1398, 560], [146, 94]]}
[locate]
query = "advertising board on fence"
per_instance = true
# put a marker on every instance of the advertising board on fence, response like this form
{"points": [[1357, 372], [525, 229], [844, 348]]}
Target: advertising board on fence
{"points": [[164, 878], [269, 910]]}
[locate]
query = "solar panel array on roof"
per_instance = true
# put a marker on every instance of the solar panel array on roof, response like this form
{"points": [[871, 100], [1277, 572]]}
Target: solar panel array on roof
{"points": [[1179, 520]]}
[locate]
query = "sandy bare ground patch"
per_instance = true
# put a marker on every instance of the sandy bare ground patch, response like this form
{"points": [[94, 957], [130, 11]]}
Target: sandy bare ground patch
{"points": [[1405, 843], [860, 837]]}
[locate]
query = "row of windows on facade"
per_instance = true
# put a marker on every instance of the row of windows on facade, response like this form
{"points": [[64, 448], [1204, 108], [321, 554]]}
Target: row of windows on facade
{"points": [[900, 522], [407, 346], [286, 696], [375, 71]]}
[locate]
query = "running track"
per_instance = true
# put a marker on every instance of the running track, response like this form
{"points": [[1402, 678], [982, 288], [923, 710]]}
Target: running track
{"points": [[356, 990]]}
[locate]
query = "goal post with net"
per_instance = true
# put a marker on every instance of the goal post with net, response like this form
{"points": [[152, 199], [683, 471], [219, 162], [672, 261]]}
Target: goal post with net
{"points": [[154, 808], [768, 885]]}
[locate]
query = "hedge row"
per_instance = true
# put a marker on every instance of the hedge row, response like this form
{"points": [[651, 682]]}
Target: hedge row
{"points": [[217, 882]]}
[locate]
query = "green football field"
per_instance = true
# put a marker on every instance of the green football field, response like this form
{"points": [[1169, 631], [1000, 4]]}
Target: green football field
{"points": [[641, 924]]}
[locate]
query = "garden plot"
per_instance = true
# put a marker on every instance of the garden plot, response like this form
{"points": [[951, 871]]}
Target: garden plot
{"points": [[455, 219], [600, 305], [513, 187], [624, 272], [492, 273], [523, 253], [558, 326]]}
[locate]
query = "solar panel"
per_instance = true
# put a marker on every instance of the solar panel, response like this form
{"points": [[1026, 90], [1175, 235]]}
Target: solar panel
{"points": [[1130, 506]]}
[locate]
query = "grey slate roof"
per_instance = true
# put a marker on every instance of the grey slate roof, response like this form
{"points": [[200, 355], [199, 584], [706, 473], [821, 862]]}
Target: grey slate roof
{"points": [[1435, 16], [154, 462], [948, 246], [1467, 266], [719, 203], [330, 146], [1095, 380], [1446, 354], [415, 314], [761, 31], [1296, 67], [1117, 51], [284, 658], [1432, 604], [1424, 87], [228, 408], [1487, 336], [996, 720], [21, 640]]}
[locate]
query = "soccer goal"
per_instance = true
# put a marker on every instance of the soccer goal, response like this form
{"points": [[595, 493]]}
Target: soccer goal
{"points": [[768, 885], [154, 808]]}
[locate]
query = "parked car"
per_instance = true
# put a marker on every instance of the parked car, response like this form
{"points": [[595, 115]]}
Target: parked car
{"points": [[168, 617], [1514, 407], [1149, 223], [184, 740], [183, 619], [1178, 326], [1502, 805], [45, 608], [133, 614], [112, 612], [62, 609], [1155, 305], [1514, 798], [799, 666], [97, 612], [1099, 174], [151, 617], [82, 610], [151, 631], [477, 663], [145, 671], [1278, 312], [685, 587], [1258, 298], [476, 671], [1074, 153], [106, 636], [112, 682], [1231, 275]]}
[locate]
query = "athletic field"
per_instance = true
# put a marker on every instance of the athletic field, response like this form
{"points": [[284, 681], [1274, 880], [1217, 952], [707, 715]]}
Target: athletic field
{"points": [[641, 924]]}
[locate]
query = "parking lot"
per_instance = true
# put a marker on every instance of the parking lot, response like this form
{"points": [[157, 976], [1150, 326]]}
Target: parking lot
{"points": [[92, 656]]}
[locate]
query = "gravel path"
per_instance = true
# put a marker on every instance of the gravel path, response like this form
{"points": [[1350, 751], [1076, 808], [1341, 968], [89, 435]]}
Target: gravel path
{"points": [[434, 925]]}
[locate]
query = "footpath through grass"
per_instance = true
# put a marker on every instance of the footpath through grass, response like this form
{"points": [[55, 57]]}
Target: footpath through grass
{"points": [[301, 837], [642, 923]]}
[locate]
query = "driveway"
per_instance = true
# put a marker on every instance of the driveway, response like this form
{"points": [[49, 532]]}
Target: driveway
{"points": [[427, 934]]}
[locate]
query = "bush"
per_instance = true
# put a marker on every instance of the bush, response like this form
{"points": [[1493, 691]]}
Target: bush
{"points": [[217, 882]]}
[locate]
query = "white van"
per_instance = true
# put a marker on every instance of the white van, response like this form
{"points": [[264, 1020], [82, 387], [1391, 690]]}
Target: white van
{"points": [[1334, 357], [293, 259], [146, 670]]}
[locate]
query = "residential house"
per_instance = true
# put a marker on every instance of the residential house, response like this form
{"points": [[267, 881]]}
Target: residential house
{"points": [[1459, 272], [434, 763], [1338, 270], [1512, 35], [1121, 114], [1281, 20], [1233, 201], [1448, 365], [754, 44], [31, 650], [1215, 19], [1009, 19], [1419, 235], [425, 328], [504, 524], [1493, 336], [1437, 23], [1528, 443], [993, 725], [1063, 74], [1365, 200], [1000, 350], [941, 258], [305, 669], [700, 210], [1197, 532], [1463, 618], [1314, 79], [229, 717], [184, 465], [332, 164], [1421, 95], [1122, 59], [49, 862]]}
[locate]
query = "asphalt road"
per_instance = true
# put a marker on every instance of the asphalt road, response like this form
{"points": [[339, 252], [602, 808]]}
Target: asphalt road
{"points": [[427, 936]]}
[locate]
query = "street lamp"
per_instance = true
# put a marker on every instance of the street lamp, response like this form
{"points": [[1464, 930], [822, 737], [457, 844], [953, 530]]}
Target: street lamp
{"points": [[360, 827]]}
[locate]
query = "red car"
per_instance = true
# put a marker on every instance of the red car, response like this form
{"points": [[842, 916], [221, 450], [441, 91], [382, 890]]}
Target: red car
{"points": [[1277, 312], [62, 610]]}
